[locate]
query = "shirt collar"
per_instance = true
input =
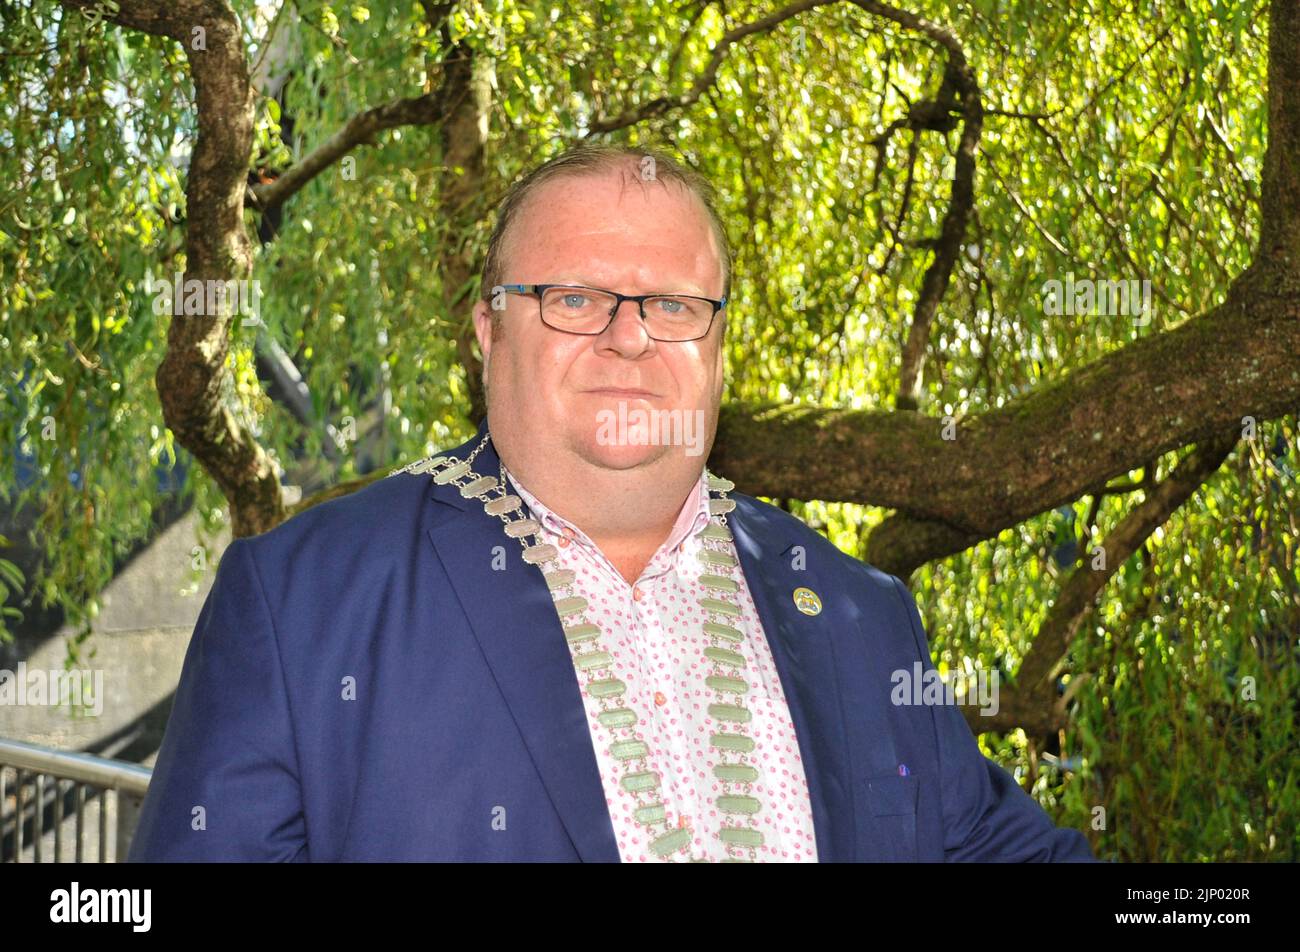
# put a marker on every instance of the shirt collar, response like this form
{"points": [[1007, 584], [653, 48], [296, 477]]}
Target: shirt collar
{"points": [[692, 517]]}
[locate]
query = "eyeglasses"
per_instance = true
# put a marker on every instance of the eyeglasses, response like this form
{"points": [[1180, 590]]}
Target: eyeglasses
{"points": [[578, 310]]}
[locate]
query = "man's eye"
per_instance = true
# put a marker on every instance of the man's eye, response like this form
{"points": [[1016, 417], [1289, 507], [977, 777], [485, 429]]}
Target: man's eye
{"points": [[575, 300], [670, 306]]}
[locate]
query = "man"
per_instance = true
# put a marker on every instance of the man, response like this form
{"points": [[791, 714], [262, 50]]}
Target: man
{"points": [[565, 639]]}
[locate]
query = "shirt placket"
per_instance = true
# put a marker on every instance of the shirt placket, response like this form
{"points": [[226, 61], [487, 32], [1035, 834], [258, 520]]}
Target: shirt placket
{"points": [[669, 688], [655, 693], [660, 695], [591, 566]]}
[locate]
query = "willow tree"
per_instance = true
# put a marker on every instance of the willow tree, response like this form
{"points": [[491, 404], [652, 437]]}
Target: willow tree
{"points": [[933, 210]]}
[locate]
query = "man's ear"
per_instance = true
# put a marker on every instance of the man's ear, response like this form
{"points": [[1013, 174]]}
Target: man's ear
{"points": [[483, 328]]}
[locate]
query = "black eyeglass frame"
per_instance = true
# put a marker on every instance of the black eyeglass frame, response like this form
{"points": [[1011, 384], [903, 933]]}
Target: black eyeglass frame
{"points": [[640, 299]]}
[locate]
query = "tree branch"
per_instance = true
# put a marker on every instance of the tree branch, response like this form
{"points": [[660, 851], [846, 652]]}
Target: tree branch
{"points": [[361, 129], [1040, 450], [195, 385], [959, 84], [662, 104], [175, 19], [1279, 233], [1033, 703], [467, 91], [958, 79]]}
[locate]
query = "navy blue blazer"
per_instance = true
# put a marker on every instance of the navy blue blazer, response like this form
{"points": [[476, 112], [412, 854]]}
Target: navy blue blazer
{"points": [[363, 685]]}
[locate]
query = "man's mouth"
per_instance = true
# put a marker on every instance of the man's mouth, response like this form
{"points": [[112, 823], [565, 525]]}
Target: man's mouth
{"points": [[620, 392]]}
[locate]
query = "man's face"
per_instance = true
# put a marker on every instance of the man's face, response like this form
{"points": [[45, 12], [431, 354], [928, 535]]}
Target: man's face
{"points": [[552, 390]]}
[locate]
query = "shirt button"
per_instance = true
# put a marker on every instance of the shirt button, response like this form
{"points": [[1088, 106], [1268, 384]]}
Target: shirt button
{"points": [[637, 594], [660, 700]]}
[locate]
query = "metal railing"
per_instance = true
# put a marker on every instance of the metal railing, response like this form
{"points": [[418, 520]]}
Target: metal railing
{"points": [[34, 814]]}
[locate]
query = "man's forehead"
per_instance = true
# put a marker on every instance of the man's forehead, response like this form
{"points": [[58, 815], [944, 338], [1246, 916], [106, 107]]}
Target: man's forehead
{"points": [[608, 205], [589, 194]]}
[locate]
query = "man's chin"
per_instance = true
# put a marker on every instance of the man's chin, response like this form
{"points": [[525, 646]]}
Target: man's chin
{"points": [[624, 455]]}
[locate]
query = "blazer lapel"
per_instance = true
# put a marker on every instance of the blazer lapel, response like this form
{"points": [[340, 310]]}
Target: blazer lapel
{"points": [[805, 660], [512, 615]]}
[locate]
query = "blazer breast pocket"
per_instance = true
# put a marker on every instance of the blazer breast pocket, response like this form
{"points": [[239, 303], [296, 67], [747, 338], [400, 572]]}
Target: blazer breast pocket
{"points": [[887, 831]]}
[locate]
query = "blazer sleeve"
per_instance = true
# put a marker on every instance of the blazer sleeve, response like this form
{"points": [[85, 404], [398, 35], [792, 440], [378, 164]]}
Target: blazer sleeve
{"points": [[225, 786], [987, 817]]}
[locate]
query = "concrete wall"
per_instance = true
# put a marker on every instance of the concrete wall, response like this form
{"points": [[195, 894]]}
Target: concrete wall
{"points": [[137, 648]]}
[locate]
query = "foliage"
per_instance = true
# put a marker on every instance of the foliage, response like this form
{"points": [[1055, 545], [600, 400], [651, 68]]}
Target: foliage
{"points": [[1122, 141]]}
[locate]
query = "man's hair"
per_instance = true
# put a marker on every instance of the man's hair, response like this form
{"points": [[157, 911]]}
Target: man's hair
{"points": [[652, 165]]}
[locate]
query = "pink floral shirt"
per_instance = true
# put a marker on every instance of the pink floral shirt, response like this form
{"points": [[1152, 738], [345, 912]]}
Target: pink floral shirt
{"points": [[652, 629]]}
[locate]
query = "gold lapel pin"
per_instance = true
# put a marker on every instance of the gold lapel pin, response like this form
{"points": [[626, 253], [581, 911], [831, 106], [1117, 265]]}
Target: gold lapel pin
{"points": [[806, 600]]}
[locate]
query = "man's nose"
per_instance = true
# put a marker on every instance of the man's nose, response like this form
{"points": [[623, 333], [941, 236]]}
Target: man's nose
{"points": [[626, 333]]}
